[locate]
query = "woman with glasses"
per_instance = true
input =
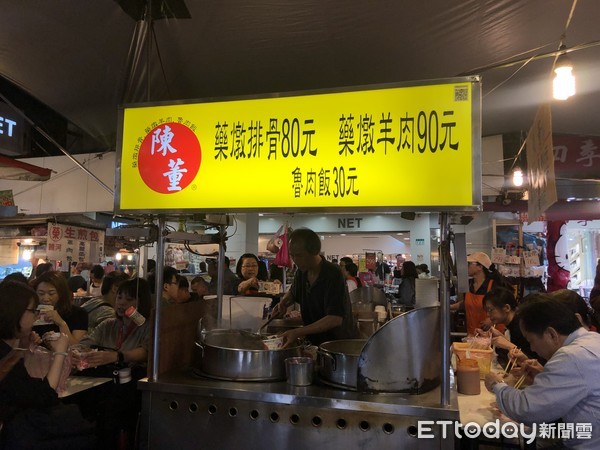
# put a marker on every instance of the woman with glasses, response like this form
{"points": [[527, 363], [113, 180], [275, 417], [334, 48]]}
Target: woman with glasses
{"points": [[52, 289], [501, 308], [249, 272], [30, 410]]}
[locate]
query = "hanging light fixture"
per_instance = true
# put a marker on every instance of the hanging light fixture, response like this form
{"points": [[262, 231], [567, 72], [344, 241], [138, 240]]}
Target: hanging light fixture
{"points": [[518, 177], [564, 81]]}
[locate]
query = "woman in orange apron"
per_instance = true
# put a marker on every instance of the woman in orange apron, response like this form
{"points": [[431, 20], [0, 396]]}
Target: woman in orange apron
{"points": [[483, 278]]}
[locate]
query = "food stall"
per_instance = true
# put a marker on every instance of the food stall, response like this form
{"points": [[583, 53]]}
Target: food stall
{"points": [[319, 157]]}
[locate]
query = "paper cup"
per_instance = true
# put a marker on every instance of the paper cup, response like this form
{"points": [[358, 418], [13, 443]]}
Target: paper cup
{"points": [[273, 342]]}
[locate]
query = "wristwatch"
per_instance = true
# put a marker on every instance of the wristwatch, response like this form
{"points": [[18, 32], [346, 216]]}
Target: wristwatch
{"points": [[498, 382], [120, 357]]}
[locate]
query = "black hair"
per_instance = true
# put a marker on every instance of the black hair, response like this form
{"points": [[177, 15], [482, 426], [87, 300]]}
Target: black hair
{"points": [[65, 295], [540, 311], [409, 270], [183, 282], [309, 239], [15, 297], [42, 268], [16, 276], [97, 271], [168, 274], [151, 265], [275, 272], [77, 282], [352, 269], [140, 289], [575, 303], [347, 260], [240, 263], [111, 279], [497, 277], [500, 296]]}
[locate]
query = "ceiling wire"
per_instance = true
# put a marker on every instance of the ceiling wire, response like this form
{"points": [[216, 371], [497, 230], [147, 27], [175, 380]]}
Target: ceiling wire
{"points": [[556, 55]]}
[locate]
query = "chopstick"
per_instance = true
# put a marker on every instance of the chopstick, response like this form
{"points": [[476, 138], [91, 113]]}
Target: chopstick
{"points": [[512, 361], [520, 381]]}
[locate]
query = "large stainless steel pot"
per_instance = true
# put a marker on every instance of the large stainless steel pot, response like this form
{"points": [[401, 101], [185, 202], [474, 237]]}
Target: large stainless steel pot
{"points": [[238, 355], [338, 361], [282, 325]]}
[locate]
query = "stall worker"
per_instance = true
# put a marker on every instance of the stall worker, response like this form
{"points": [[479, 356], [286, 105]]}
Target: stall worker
{"points": [[350, 272], [484, 277], [320, 289], [52, 289], [568, 387], [407, 289], [96, 276]]}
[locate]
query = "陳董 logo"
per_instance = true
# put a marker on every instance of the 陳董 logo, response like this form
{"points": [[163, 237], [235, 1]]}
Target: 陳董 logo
{"points": [[169, 158]]}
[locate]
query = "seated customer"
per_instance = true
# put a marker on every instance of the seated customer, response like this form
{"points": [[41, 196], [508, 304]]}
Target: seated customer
{"points": [[122, 341], [170, 285], [52, 289], [183, 290], [249, 274], [102, 308], [30, 410], [568, 387], [199, 288], [501, 308], [123, 344], [577, 304]]}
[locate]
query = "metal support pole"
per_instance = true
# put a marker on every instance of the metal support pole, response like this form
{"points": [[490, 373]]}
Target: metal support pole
{"points": [[220, 270], [445, 311], [158, 288]]}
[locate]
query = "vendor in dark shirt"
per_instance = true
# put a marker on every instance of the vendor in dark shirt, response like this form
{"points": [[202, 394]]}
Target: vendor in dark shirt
{"points": [[52, 289], [320, 289]]}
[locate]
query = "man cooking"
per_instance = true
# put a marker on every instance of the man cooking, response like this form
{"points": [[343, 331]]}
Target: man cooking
{"points": [[320, 289]]}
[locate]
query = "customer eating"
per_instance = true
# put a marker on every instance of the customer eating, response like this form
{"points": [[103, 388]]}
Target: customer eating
{"points": [[568, 387], [64, 317]]}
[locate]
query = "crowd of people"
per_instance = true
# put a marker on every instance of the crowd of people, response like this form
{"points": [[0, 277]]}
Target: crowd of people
{"points": [[551, 336]]}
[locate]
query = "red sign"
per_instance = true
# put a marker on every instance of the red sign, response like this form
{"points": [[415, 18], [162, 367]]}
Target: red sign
{"points": [[576, 156], [169, 158]]}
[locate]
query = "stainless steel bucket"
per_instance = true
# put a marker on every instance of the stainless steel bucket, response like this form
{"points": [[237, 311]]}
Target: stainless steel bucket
{"points": [[299, 370], [338, 361]]}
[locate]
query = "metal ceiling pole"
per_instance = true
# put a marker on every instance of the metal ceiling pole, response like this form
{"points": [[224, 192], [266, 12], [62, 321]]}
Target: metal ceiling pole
{"points": [[58, 146], [445, 310], [158, 288], [220, 272]]}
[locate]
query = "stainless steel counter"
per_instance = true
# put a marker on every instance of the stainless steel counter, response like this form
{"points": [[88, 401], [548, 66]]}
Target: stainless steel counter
{"points": [[185, 411]]}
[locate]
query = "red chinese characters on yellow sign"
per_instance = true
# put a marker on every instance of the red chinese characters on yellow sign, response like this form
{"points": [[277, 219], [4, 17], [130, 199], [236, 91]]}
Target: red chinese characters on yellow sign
{"points": [[169, 158]]}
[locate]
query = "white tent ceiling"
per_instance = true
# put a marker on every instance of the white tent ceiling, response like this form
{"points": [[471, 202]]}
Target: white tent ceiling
{"points": [[84, 59]]}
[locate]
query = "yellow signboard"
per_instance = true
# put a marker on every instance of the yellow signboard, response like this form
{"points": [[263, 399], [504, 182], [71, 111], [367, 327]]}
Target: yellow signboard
{"points": [[382, 148]]}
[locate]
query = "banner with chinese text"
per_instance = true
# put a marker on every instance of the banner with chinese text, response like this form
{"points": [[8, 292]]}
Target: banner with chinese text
{"points": [[326, 150], [68, 243]]}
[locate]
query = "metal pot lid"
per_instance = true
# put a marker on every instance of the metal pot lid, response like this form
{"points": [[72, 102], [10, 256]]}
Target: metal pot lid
{"points": [[350, 347]]}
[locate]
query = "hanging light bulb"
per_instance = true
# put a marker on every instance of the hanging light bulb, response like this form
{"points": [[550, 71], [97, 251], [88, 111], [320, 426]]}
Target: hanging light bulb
{"points": [[518, 177], [564, 81]]}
